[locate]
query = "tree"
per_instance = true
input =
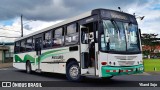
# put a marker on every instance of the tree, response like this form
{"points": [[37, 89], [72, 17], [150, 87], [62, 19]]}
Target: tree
{"points": [[150, 40]]}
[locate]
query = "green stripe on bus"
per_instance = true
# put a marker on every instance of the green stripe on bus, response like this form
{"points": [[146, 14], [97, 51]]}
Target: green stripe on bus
{"points": [[49, 52], [42, 57], [49, 55], [18, 59]]}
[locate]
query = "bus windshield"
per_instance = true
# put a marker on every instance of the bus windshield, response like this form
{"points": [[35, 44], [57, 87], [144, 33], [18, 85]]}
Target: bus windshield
{"points": [[119, 36]]}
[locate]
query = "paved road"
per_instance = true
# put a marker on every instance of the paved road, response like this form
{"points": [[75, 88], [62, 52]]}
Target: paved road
{"points": [[11, 74]]}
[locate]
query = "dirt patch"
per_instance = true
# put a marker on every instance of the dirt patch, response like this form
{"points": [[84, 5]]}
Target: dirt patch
{"points": [[6, 65]]}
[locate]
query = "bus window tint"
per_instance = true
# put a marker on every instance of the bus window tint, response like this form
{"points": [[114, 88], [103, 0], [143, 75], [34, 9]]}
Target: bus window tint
{"points": [[29, 44], [47, 39], [22, 46], [58, 38], [72, 34]]}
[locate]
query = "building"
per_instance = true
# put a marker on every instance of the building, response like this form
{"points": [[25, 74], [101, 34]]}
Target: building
{"points": [[156, 49], [151, 51], [6, 52]]}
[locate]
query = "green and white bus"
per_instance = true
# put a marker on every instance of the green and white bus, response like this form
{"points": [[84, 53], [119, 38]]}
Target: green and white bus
{"points": [[99, 43]]}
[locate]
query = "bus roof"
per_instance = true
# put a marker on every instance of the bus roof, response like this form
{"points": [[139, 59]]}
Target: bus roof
{"points": [[87, 14], [58, 24]]}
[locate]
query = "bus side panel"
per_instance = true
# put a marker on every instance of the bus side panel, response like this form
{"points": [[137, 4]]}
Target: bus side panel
{"points": [[21, 66], [47, 67], [62, 66], [19, 60], [56, 60]]}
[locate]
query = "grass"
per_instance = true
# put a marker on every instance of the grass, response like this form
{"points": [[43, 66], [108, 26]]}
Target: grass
{"points": [[150, 64]]}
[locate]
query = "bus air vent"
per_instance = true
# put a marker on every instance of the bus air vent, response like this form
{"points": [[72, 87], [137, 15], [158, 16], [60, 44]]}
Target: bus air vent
{"points": [[125, 57], [126, 63]]}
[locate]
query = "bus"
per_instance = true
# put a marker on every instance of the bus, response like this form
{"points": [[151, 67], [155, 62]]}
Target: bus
{"points": [[100, 43]]}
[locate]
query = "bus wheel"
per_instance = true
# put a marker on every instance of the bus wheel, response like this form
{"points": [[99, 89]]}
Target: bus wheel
{"points": [[73, 72], [28, 67]]}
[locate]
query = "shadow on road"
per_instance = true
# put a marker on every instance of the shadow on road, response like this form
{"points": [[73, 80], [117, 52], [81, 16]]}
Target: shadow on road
{"points": [[46, 74], [87, 82]]}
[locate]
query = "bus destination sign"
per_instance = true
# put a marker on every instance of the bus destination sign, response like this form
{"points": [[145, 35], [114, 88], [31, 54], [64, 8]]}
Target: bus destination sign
{"points": [[115, 15], [118, 16]]}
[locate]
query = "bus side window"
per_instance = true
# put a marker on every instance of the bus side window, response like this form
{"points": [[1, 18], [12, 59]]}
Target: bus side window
{"points": [[84, 35], [47, 40], [22, 46], [58, 38], [72, 34], [29, 44]]}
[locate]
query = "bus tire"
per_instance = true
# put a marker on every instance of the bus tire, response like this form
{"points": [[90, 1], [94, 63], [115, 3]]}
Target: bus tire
{"points": [[28, 67], [73, 71]]}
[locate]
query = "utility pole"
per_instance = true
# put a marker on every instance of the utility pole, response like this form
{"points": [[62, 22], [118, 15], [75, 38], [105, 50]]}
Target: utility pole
{"points": [[21, 25]]}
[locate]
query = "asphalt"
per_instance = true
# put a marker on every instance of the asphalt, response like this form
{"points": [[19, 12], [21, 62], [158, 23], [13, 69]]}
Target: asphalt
{"points": [[89, 83]]}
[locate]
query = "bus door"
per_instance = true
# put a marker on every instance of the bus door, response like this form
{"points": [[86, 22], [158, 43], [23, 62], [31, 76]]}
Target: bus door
{"points": [[88, 56], [38, 47]]}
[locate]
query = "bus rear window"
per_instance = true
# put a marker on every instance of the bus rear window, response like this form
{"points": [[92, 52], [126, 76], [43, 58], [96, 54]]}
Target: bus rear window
{"points": [[22, 46], [17, 47]]}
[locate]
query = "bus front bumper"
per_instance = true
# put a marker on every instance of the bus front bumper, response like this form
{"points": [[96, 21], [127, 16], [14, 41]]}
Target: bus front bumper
{"points": [[108, 71]]}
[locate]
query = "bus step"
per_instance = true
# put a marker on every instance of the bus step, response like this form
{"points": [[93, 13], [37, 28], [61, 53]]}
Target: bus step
{"points": [[87, 73], [91, 70]]}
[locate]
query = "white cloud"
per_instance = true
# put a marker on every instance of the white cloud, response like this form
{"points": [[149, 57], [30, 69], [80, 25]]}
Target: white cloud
{"points": [[14, 30], [151, 22]]}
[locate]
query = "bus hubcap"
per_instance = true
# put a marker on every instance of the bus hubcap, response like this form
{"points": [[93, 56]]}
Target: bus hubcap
{"points": [[74, 71]]}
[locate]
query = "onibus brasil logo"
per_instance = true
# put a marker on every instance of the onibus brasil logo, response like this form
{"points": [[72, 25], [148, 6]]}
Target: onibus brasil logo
{"points": [[20, 84]]}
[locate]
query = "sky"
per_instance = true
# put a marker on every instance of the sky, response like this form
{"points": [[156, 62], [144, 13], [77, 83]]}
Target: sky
{"points": [[39, 14]]}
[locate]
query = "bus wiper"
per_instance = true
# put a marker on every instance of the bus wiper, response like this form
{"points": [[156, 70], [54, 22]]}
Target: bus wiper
{"points": [[115, 25]]}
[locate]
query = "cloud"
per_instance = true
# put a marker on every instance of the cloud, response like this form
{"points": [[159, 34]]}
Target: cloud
{"points": [[150, 24], [27, 27], [49, 12], [14, 30]]}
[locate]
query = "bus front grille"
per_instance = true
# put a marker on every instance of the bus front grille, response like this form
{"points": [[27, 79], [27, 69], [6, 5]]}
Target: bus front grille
{"points": [[126, 63], [125, 57]]}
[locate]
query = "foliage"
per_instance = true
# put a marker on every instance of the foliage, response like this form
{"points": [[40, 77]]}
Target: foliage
{"points": [[146, 52], [150, 40]]}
